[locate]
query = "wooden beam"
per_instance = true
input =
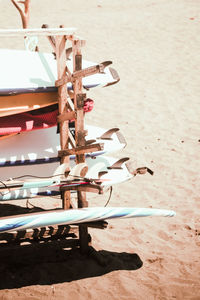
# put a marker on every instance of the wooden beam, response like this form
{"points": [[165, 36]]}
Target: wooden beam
{"points": [[81, 150], [88, 187], [83, 73], [97, 224], [80, 138], [60, 42], [91, 70], [62, 90], [66, 116]]}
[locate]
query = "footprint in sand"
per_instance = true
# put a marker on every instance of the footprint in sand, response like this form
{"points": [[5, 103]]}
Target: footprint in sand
{"points": [[157, 260], [163, 236], [193, 231]]}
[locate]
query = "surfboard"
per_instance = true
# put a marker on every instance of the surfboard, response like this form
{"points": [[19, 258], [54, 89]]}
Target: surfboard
{"points": [[35, 119], [104, 170], [27, 80], [16, 104], [77, 216], [29, 120], [36, 152]]}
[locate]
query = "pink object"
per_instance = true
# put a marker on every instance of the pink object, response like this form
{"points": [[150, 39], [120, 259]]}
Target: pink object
{"points": [[88, 105]]}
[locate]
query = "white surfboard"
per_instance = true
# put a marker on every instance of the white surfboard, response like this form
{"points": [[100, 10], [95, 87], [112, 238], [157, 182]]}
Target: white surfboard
{"points": [[36, 152], [77, 216], [25, 73], [105, 168]]}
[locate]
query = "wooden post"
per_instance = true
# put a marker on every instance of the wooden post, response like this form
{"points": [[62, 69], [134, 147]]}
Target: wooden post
{"points": [[62, 100], [80, 134], [78, 98]]}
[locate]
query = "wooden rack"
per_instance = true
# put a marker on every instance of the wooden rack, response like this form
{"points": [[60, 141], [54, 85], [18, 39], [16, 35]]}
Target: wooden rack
{"points": [[71, 104], [79, 146]]}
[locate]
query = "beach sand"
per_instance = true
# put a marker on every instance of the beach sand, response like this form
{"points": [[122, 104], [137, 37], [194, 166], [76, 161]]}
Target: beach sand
{"points": [[154, 46]]}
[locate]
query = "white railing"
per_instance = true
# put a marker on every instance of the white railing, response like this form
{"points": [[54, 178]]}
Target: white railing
{"points": [[37, 32]]}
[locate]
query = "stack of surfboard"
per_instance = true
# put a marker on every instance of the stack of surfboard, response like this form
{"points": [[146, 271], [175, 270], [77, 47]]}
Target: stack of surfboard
{"points": [[27, 80], [29, 143]]}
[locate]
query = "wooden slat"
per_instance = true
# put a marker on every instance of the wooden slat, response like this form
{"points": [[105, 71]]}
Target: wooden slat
{"points": [[80, 138], [60, 42], [91, 188], [66, 116], [83, 73], [80, 100], [62, 91], [97, 224], [38, 32], [81, 150], [91, 70]]}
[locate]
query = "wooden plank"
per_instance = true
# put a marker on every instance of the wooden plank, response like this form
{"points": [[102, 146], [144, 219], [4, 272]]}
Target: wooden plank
{"points": [[91, 188], [66, 199], [70, 115], [62, 91], [97, 224], [91, 70], [62, 102], [80, 137], [77, 86], [68, 32], [81, 150], [83, 73]]}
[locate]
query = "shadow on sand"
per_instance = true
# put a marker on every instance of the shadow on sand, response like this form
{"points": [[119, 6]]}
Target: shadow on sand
{"points": [[53, 262]]}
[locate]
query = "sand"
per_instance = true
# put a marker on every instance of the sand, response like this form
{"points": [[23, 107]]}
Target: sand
{"points": [[154, 46]]}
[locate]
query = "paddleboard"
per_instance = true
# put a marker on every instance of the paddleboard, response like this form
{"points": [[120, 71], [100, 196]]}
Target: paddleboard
{"points": [[27, 80], [104, 170], [77, 216], [36, 152]]}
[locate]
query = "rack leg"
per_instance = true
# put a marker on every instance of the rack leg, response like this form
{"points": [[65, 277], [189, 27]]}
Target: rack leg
{"points": [[83, 230], [66, 196]]}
